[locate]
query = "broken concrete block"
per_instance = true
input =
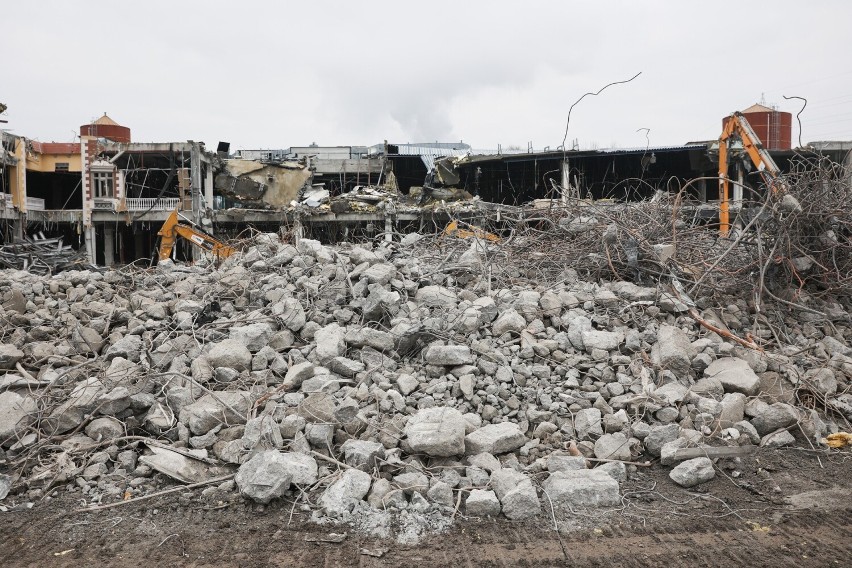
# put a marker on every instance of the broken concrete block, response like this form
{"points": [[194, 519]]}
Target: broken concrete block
{"points": [[495, 439], [516, 493], [482, 503], [438, 431], [448, 355], [582, 488], [264, 477], [735, 375], [693, 472], [16, 414], [230, 353], [342, 495]]}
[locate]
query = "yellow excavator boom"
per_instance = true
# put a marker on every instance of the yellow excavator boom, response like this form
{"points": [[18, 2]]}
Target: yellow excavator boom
{"points": [[737, 126], [172, 229]]}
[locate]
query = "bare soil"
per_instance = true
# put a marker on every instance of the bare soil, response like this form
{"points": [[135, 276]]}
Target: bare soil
{"points": [[775, 508]]}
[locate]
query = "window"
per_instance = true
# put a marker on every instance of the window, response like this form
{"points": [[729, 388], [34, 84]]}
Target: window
{"points": [[102, 184], [61, 167]]}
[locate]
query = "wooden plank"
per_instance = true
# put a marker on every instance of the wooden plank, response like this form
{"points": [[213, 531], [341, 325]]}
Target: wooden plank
{"points": [[714, 452]]}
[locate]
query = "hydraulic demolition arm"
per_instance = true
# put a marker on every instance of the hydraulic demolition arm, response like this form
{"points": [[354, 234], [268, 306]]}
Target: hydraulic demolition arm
{"points": [[173, 228], [737, 127]]}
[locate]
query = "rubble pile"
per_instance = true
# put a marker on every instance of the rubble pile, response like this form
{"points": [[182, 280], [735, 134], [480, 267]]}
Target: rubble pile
{"points": [[360, 379]]}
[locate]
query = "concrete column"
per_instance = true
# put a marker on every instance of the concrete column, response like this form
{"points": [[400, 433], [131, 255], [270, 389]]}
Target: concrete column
{"points": [[738, 188], [566, 179], [18, 228], [139, 239], [109, 245], [388, 229], [91, 246], [196, 191], [208, 187]]}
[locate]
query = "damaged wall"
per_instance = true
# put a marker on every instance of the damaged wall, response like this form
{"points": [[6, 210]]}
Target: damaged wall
{"points": [[273, 185]]}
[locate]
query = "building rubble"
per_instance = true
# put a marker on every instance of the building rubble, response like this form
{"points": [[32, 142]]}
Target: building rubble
{"points": [[397, 385]]}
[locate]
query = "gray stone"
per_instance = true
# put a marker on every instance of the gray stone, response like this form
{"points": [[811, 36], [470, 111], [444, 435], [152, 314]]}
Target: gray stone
{"points": [[297, 374], [669, 449], [735, 374], [746, 428], [262, 433], [605, 340], [438, 431], [362, 454], [230, 353], [613, 446], [254, 336], [693, 472], [103, 429], [448, 355], [773, 417], [209, 411], [733, 409], [291, 313], [411, 482], [822, 381], [582, 488], [660, 435], [436, 296], [673, 350], [264, 477], [330, 342], [318, 407], [302, 468], [115, 401], [482, 503], [16, 414], [81, 401], [587, 424], [516, 493], [320, 435], [9, 355], [495, 439], [561, 462], [672, 393], [441, 493], [509, 320], [616, 470], [407, 384], [778, 439], [84, 340], [128, 347], [380, 273], [369, 337], [342, 495]]}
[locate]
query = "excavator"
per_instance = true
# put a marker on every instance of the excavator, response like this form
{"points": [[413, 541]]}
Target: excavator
{"points": [[173, 228], [738, 128]]}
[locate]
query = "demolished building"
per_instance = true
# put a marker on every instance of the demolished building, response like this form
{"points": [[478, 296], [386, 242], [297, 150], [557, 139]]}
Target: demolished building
{"points": [[109, 195]]}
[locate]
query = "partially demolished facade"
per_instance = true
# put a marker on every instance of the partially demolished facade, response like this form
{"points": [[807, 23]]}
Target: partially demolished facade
{"points": [[109, 195]]}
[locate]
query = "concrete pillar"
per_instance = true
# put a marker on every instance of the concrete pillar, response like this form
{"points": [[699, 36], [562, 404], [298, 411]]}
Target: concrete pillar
{"points": [[388, 229], [738, 189], [196, 191], [566, 179], [208, 187], [139, 239], [18, 228], [91, 246], [109, 245]]}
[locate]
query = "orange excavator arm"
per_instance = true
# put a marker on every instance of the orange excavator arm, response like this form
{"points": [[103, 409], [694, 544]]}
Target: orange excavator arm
{"points": [[737, 127], [172, 229]]}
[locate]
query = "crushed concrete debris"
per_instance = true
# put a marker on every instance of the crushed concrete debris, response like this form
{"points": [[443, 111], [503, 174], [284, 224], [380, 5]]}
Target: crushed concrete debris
{"points": [[390, 387]]}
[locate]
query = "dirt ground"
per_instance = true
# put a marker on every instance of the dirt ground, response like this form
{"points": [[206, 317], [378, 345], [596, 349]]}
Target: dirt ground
{"points": [[775, 508]]}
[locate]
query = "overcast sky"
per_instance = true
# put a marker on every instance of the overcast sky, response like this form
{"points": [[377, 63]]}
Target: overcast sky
{"points": [[279, 74]]}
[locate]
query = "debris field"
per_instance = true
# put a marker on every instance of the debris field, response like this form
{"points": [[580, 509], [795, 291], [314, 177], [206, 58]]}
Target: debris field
{"points": [[398, 385]]}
